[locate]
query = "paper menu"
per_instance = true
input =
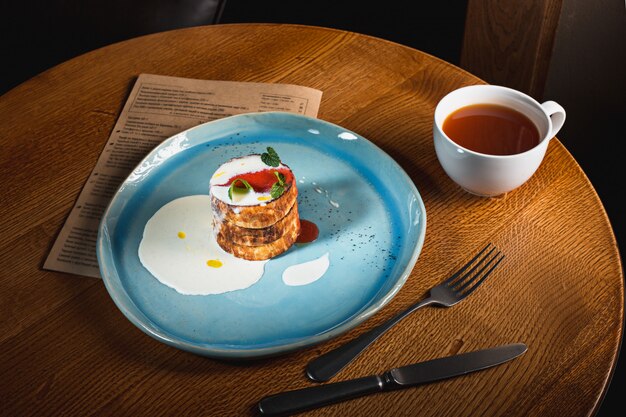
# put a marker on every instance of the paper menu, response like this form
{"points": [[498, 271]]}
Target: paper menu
{"points": [[159, 107]]}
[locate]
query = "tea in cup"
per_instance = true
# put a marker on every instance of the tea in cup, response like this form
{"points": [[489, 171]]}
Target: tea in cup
{"points": [[491, 139]]}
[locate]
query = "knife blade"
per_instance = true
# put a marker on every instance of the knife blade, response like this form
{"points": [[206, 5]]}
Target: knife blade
{"points": [[296, 401]]}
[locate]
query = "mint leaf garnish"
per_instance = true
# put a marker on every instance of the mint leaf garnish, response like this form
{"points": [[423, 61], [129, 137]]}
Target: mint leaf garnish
{"points": [[281, 177], [270, 157], [239, 190], [278, 188]]}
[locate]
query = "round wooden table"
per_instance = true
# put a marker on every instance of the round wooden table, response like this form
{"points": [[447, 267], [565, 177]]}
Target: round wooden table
{"points": [[67, 350]]}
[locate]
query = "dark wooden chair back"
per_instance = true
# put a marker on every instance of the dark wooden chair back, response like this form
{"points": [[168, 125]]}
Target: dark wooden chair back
{"points": [[510, 43]]}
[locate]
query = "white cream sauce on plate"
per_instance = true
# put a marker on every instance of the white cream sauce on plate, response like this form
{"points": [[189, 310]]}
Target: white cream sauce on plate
{"points": [[179, 249]]}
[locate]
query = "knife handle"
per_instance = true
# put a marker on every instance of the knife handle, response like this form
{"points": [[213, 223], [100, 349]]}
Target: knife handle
{"points": [[304, 399]]}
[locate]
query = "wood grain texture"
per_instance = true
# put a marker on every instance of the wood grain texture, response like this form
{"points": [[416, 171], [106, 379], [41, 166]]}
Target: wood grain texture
{"points": [[67, 350], [510, 43]]}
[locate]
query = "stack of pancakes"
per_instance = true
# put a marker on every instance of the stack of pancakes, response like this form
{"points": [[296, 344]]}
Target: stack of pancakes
{"points": [[257, 226]]}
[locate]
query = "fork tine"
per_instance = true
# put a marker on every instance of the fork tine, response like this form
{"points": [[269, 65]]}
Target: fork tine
{"points": [[467, 265], [470, 275], [476, 282]]}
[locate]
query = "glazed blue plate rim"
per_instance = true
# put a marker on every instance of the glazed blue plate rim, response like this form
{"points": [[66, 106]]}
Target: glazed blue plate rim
{"points": [[126, 305]]}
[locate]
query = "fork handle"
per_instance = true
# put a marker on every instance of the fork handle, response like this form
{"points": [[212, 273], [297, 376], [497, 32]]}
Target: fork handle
{"points": [[329, 364]]}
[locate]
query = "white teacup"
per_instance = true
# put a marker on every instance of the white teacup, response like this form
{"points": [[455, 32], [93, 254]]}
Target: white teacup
{"points": [[486, 174]]}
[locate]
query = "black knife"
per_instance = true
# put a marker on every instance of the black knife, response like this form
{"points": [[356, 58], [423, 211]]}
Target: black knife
{"points": [[420, 373]]}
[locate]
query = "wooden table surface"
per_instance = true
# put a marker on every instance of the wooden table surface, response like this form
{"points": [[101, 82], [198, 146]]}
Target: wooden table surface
{"points": [[67, 350]]}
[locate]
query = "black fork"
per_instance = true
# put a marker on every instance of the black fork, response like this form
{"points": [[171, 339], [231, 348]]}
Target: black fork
{"points": [[454, 289]]}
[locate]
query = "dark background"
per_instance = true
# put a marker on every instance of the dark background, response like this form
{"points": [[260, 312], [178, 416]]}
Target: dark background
{"points": [[35, 41]]}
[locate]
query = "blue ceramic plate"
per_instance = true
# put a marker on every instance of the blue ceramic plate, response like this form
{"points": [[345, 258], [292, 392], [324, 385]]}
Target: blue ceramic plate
{"points": [[370, 216]]}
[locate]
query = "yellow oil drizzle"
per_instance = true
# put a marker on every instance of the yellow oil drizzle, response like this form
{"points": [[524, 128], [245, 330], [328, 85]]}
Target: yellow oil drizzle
{"points": [[218, 174], [264, 198], [214, 263], [182, 235]]}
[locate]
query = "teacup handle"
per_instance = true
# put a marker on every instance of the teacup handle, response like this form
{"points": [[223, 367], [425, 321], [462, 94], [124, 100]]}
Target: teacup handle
{"points": [[557, 113]]}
